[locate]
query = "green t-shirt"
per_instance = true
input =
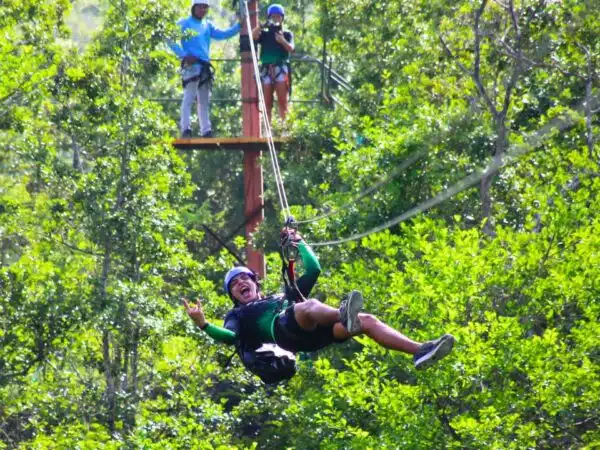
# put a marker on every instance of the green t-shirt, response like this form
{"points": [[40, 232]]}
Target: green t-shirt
{"points": [[256, 320], [271, 52]]}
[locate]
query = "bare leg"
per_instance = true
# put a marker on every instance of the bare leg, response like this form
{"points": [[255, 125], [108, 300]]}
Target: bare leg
{"points": [[381, 333], [268, 91], [311, 313], [282, 99]]}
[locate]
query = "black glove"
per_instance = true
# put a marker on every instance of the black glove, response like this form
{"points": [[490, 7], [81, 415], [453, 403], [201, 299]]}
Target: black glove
{"points": [[290, 237]]}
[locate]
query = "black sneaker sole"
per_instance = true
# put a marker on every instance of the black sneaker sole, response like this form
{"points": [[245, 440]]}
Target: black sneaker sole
{"points": [[354, 305], [439, 351]]}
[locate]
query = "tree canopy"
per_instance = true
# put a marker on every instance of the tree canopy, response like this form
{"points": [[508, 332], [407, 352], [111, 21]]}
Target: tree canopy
{"points": [[467, 128]]}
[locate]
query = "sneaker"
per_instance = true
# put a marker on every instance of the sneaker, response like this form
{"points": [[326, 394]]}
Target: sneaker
{"points": [[432, 351], [349, 310], [186, 134], [208, 134]]}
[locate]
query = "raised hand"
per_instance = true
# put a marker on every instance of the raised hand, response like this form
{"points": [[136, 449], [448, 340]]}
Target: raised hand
{"points": [[280, 38], [290, 236], [195, 312]]}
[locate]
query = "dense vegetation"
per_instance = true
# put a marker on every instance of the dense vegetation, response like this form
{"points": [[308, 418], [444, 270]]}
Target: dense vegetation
{"points": [[102, 229]]}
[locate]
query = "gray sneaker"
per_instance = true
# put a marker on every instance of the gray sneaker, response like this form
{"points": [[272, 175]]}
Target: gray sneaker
{"points": [[349, 310], [432, 351]]}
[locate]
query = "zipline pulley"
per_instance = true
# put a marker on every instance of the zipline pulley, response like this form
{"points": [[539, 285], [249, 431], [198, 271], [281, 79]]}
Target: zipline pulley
{"points": [[288, 251]]}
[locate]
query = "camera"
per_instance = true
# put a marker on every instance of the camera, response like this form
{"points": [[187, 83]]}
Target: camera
{"points": [[273, 27]]}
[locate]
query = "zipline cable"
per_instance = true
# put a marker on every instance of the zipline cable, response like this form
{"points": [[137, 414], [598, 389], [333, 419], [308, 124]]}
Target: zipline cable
{"points": [[533, 141], [272, 152]]}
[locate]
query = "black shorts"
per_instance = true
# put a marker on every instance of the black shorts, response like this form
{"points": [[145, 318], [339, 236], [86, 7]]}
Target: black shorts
{"points": [[289, 335]]}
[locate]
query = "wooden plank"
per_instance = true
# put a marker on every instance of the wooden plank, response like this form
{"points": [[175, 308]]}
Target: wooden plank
{"points": [[226, 143]]}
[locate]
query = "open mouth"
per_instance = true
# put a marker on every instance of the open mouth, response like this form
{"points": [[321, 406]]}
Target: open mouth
{"points": [[244, 290]]}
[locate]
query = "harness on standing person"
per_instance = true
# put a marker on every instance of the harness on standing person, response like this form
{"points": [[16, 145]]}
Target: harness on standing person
{"points": [[274, 70], [202, 72]]}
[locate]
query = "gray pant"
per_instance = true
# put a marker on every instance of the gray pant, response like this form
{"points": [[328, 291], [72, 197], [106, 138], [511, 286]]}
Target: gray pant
{"points": [[201, 94]]}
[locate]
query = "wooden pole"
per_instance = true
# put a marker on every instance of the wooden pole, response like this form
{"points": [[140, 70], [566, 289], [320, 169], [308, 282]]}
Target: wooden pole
{"points": [[253, 174]]}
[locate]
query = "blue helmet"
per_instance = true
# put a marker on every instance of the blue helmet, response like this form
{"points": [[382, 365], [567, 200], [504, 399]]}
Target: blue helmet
{"points": [[275, 8], [234, 273]]}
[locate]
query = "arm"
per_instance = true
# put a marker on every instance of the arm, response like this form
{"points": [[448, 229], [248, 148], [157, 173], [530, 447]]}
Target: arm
{"points": [[177, 49], [312, 268], [256, 33], [176, 46], [287, 44], [227, 335], [219, 35], [220, 334]]}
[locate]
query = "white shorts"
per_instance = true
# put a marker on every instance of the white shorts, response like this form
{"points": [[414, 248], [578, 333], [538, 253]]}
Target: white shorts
{"points": [[281, 75]]}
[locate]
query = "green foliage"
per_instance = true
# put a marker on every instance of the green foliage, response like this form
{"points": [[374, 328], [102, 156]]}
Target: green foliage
{"points": [[101, 231]]}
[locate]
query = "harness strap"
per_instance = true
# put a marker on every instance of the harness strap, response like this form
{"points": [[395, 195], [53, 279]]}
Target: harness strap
{"points": [[287, 252], [284, 270], [274, 70], [286, 332], [206, 75]]}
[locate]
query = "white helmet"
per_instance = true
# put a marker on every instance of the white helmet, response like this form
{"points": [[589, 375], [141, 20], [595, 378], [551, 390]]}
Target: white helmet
{"points": [[203, 2]]}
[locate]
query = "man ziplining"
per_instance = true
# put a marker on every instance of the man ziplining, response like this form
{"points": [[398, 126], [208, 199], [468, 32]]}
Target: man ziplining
{"points": [[259, 327]]}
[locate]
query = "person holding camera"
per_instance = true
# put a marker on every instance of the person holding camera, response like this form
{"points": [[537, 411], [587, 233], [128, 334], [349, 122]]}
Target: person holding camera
{"points": [[276, 45]]}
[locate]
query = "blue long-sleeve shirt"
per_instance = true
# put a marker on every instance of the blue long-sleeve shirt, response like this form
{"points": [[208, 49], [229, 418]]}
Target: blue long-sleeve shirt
{"points": [[201, 32]]}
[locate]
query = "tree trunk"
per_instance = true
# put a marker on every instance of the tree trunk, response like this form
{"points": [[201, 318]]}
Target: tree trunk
{"points": [[589, 138], [76, 156], [133, 378], [106, 338], [110, 382], [486, 181]]}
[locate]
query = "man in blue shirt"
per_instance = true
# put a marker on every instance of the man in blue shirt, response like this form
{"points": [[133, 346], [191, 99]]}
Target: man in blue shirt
{"points": [[196, 72]]}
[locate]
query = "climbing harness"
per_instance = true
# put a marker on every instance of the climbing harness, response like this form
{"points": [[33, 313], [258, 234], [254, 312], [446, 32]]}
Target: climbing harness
{"points": [[288, 251], [270, 363], [274, 71], [202, 73]]}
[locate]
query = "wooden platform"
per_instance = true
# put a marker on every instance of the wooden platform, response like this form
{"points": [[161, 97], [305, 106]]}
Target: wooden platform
{"points": [[226, 143]]}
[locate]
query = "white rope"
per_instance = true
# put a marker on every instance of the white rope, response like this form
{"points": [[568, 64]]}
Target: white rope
{"points": [[272, 152]]}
